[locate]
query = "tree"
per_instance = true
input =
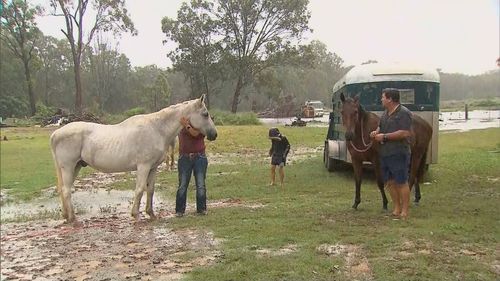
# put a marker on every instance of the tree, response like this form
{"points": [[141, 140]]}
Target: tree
{"points": [[18, 19], [197, 53], [13, 99], [254, 30], [110, 16], [109, 72], [54, 60], [159, 93]]}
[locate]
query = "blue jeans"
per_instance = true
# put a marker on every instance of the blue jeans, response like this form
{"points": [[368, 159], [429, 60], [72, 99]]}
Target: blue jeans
{"points": [[186, 166]]}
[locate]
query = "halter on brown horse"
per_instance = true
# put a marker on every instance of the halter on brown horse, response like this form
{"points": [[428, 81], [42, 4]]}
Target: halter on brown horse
{"points": [[358, 124]]}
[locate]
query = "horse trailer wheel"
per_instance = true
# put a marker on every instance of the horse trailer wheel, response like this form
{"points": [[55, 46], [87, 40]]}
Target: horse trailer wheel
{"points": [[330, 163]]}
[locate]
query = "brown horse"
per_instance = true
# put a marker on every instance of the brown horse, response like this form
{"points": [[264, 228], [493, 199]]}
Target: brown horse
{"points": [[358, 124]]}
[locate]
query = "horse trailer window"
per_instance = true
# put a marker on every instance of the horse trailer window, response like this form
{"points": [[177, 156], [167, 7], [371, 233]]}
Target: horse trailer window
{"points": [[407, 96]]}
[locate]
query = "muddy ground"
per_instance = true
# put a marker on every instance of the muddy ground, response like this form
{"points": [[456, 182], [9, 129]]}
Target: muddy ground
{"points": [[106, 244]]}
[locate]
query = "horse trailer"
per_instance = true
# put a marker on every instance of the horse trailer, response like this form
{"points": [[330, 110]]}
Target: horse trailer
{"points": [[419, 92]]}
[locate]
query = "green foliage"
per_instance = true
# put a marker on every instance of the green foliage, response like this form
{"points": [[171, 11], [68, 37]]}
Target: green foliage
{"points": [[21, 32], [198, 53], [135, 111], [117, 118], [110, 16], [240, 118], [11, 106], [43, 111], [488, 103], [206, 61]]}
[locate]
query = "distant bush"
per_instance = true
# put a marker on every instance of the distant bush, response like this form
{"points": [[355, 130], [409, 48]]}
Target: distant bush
{"points": [[117, 118], [227, 118], [472, 104], [135, 111], [486, 103]]}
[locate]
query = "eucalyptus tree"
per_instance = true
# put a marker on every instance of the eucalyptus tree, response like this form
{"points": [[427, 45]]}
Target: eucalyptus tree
{"points": [[141, 79], [106, 16], [255, 30], [109, 71], [159, 93], [19, 33], [197, 52], [54, 78]]}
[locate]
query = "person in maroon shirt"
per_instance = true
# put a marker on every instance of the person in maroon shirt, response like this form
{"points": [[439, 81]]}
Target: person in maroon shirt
{"points": [[192, 160]]}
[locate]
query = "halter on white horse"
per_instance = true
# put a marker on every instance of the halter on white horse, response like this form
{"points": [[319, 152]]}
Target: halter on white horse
{"points": [[136, 144]]}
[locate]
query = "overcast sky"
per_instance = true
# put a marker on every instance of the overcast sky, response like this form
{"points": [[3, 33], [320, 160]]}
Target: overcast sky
{"points": [[456, 36]]}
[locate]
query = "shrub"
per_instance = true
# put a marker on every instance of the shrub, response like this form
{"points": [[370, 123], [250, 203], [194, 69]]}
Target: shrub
{"points": [[135, 111]]}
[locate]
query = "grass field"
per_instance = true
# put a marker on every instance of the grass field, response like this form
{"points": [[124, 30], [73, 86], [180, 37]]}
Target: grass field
{"points": [[308, 231]]}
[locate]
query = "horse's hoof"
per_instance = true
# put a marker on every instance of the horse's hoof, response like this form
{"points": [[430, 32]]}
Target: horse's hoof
{"points": [[355, 206]]}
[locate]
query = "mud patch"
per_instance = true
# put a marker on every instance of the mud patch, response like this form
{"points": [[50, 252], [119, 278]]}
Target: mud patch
{"points": [[111, 248], [356, 265], [285, 250]]}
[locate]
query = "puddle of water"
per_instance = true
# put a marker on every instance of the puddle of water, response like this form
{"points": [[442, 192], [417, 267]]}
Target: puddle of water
{"points": [[91, 202], [478, 119]]}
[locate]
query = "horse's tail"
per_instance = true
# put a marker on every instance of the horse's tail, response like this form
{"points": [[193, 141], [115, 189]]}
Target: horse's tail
{"points": [[56, 164]]}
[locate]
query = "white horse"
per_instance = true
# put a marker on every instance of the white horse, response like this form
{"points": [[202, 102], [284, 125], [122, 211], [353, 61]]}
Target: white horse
{"points": [[136, 144]]}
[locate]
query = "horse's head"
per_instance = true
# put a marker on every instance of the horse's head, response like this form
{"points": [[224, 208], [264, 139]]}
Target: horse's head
{"points": [[201, 119], [350, 115]]}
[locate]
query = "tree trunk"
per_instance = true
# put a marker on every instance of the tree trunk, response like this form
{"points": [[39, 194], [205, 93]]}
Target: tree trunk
{"points": [[207, 93], [236, 97], [47, 88], [29, 83], [78, 86]]}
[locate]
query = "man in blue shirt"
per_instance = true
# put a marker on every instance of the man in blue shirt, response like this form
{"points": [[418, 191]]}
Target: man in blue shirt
{"points": [[393, 134]]}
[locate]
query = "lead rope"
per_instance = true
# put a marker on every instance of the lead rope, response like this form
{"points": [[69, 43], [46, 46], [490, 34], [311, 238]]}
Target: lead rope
{"points": [[368, 146]]}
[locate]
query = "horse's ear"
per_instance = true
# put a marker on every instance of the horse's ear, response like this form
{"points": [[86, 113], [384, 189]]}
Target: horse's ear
{"points": [[342, 97], [356, 98], [202, 98]]}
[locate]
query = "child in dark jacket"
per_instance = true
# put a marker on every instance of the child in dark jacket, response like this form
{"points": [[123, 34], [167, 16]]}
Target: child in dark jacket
{"points": [[278, 152]]}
